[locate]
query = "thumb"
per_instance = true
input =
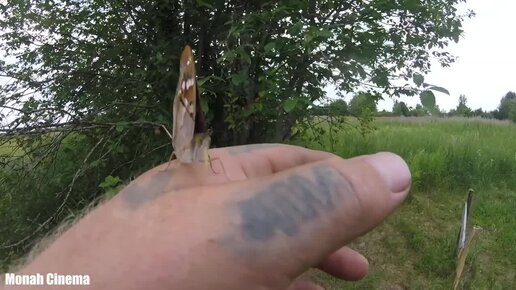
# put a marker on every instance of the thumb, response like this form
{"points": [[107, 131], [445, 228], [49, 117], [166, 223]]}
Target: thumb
{"points": [[297, 218]]}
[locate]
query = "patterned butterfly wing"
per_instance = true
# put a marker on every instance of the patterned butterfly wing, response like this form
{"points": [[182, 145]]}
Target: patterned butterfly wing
{"points": [[184, 108], [201, 141]]}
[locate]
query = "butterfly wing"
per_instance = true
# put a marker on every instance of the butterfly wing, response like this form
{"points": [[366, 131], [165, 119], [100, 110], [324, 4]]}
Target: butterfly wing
{"points": [[201, 140], [200, 146], [184, 108]]}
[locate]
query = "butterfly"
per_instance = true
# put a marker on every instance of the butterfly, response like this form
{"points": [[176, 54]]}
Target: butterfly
{"points": [[190, 137]]}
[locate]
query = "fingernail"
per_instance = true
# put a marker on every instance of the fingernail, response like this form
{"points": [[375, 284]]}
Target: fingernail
{"points": [[392, 168]]}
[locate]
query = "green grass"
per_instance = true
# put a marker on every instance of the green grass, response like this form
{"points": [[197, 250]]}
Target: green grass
{"points": [[415, 248]]}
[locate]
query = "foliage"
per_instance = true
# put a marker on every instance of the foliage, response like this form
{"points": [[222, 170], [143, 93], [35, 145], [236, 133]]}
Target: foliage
{"points": [[420, 111], [110, 182], [384, 113], [400, 109], [478, 113], [512, 111], [426, 95], [362, 104], [506, 109], [338, 107], [319, 110], [34, 201], [462, 108]]}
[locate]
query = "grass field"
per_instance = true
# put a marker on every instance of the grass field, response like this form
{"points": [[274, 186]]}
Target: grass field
{"points": [[415, 248]]}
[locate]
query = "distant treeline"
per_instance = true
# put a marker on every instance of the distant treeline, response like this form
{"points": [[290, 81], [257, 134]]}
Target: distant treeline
{"points": [[361, 104]]}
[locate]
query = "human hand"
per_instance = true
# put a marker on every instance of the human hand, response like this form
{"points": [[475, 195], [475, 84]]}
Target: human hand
{"points": [[268, 213]]}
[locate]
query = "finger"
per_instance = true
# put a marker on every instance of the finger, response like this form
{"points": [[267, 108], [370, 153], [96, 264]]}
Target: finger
{"points": [[294, 220], [249, 161], [229, 164], [346, 264], [304, 285]]}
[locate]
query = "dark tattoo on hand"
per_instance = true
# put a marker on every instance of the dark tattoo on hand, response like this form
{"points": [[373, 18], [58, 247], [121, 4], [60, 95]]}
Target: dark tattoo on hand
{"points": [[286, 205], [137, 194]]}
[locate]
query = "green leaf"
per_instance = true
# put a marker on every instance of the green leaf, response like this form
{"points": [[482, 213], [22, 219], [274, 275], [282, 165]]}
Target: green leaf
{"points": [[110, 182], [238, 79], [159, 57], [439, 89], [201, 81], [120, 126], [202, 3], [247, 113], [296, 28], [361, 71], [258, 107], [269, 46], [227, 56], [434, 111], [244, 56], [204, 105], [427, 99], [324, 33], [418, 79], [381, 78], [289, 105]]}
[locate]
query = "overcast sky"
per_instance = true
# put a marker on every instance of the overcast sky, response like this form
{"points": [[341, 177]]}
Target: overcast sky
{"points": [[486, 67]]}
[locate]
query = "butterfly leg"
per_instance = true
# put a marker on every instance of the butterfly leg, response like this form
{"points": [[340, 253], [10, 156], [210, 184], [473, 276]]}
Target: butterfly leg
{"points": [[170, 159], [208, 159], [173, 153], [211, 164]]}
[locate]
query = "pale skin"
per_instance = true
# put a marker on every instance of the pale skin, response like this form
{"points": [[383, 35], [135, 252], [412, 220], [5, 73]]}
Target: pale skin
{"points": [[258, 222]]}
